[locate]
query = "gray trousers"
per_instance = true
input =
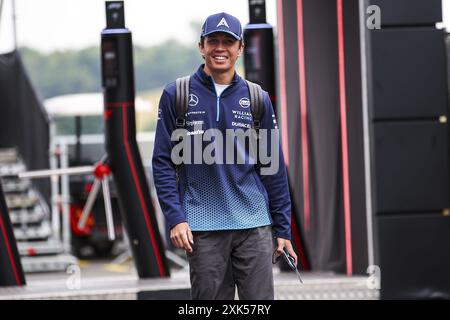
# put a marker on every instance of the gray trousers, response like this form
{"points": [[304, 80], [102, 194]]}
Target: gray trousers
{"points": [[223, 260]]}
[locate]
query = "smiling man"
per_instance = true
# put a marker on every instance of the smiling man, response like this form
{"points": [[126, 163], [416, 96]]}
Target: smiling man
{"points": [[223, 215]]}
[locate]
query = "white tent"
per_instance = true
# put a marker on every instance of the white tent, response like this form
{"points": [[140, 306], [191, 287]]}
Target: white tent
{"points": [[84, 104]]}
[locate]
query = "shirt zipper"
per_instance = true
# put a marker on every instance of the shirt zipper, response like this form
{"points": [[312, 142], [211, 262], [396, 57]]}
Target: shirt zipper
{"points": [[217, 103], [218, 108]]}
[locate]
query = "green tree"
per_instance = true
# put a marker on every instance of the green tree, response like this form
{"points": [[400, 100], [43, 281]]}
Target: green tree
{"points": [[77, 71]]}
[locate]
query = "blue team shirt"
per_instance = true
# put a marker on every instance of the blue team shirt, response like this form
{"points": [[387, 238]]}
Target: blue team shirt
{"points": [[218, 196]]}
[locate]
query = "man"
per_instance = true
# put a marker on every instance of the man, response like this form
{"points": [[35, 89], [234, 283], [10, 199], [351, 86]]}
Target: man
{"points": [[222, 214]]}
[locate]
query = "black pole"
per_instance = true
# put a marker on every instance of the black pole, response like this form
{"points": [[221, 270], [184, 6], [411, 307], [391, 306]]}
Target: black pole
{"points": [[257, 11], [11, 272], [259, 61], [120, 134]]}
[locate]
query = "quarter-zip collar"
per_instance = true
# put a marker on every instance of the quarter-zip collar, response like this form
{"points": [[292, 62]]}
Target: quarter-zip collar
{"points": [[208, 81]]}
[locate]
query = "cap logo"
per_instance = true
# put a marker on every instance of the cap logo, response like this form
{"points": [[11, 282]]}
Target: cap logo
{"points": [[223, 22]]}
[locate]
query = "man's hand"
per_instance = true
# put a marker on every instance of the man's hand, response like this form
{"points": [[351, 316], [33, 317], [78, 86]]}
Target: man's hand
{"points": [[283, 243], [181, 236]]}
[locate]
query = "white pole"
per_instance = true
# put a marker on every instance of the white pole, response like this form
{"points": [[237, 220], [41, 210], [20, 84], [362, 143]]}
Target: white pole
{"points": [[65, 193], [108, 209], [366, 130], [1, 10], [54, 180], [89, 203], [14, 17], [57, 172]]}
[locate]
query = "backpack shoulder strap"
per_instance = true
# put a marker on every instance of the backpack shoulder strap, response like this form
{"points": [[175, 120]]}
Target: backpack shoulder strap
{"points": [[256, 103], [181, 100]]}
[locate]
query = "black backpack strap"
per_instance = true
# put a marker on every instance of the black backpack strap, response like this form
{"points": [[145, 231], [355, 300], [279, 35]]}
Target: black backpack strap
{"points": [[257, 109], [181, 100], [256, 104]]}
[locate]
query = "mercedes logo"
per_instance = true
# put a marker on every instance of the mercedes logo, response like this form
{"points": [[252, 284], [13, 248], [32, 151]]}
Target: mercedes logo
{"points": [[193, 100]]}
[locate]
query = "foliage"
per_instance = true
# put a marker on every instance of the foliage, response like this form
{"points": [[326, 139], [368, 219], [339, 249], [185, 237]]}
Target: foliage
{"points": [[78, 71]]}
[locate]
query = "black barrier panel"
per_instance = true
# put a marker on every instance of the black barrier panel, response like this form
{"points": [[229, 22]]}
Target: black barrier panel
{"points": [[409, 12], [24, 123], [355, 137], [409, 76], [411, 166], [414, 256], [447, 55], [259, 57], [11, 272]]}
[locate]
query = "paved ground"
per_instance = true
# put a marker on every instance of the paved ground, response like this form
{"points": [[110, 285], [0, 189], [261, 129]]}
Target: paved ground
{"points": [[104, 280]]}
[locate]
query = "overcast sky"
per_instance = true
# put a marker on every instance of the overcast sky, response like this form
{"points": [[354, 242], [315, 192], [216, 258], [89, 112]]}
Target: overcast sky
{"points": [[60, 24]]}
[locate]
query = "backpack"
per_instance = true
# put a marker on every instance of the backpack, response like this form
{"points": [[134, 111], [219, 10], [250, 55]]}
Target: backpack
{"points": [[182, 102]]}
